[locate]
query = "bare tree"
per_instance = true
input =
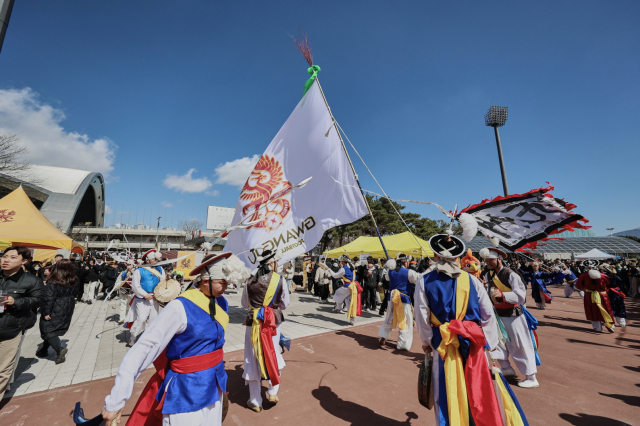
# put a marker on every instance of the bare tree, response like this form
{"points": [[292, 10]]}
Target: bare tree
{"points": [[190, 225], [10, 151]]}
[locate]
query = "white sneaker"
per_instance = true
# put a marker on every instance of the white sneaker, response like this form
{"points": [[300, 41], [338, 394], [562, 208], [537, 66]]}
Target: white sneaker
{"points": [[508, 371], [529, 383]]}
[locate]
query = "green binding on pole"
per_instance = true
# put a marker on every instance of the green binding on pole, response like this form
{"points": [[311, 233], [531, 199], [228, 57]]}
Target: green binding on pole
{"points": [[313, 70]]}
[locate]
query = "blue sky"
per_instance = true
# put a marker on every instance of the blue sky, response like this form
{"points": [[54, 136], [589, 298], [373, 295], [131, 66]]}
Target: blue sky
{"points": [[146, 91]]}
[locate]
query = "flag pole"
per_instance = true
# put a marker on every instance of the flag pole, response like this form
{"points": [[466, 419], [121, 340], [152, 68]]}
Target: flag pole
{"points": [[344, 147]]}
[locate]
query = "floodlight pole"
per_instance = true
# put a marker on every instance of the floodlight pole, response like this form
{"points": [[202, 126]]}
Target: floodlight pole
{"points": [[6, 6], [497, 117], [505, 186], [610, 231]]}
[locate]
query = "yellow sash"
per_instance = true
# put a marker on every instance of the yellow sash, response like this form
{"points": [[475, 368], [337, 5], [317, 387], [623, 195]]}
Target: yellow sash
{"points": [[255, 325], [511, 413], [503, 288], [595, 298], [399, 319], [202, 301], [450, 354], [352, 312]]}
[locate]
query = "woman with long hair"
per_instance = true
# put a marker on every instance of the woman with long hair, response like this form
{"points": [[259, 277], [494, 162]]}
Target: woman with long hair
{"points": [[56, 312]]}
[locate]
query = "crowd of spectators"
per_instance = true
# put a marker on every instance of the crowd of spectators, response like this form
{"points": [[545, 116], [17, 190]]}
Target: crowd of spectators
{"points": [[624, 273], [51, 288]]}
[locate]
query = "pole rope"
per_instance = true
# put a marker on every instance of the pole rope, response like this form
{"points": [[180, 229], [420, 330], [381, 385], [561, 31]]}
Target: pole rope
{"points": [[344, 147], [381, 189]]}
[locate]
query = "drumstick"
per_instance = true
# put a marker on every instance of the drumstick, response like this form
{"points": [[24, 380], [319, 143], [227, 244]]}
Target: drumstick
{"points": [[114, 422]]}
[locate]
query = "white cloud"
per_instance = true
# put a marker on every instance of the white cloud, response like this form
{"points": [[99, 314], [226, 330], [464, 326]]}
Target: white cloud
{"points": [[37, 124], [213, 193], [108, 210], [166, 204], [237, 171], [186, 183]]}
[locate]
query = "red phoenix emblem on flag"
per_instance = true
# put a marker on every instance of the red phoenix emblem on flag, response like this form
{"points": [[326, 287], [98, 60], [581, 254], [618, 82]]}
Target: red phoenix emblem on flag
{"points": [[265, 192], [6, 215]]}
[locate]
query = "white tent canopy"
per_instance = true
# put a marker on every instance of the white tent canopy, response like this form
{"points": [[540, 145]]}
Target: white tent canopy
{"points": [[595, 254]]}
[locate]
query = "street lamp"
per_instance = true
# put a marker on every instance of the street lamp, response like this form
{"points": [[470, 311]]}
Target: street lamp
{"points": [[610, 231], [496, 117]]}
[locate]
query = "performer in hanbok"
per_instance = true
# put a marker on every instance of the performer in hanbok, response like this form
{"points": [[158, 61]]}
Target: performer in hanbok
{"points": [[455, 317], [185, 344], [123, 287], [597, 307], [616, 295], [323, 278], [539, 291], [266, 295], [570, 281], [508, 294], [399, 313], [145, 307], [346, 295]]}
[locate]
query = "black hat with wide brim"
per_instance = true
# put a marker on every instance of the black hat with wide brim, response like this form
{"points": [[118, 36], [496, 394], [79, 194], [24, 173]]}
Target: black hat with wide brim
{"points": [[590, 263], [447, 246]]}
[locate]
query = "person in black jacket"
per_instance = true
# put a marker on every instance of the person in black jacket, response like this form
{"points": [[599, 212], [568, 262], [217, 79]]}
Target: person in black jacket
{"points": [[57, 310], [369, 277], [109, 276], [90, 281], [22, 294], [81, 272]]}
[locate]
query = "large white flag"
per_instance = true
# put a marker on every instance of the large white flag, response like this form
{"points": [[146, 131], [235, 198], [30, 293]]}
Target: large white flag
{"points": [[307, 146]]}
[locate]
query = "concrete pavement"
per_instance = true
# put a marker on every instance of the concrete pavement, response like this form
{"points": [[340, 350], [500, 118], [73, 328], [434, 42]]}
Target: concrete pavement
{"points": [[96, 342], [342, 377]]}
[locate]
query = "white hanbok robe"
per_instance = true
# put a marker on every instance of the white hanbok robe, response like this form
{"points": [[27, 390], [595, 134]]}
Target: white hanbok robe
{"points": [[251, 366], [143, 312], [425, 331], [521, 347], [405, 337], [171, 321]]}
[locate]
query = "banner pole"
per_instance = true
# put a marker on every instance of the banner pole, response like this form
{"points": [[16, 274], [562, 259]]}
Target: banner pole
{"points": [[344, 147]]}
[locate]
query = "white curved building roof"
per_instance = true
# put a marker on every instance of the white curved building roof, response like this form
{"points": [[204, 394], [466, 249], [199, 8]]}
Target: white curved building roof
{"points": [[67, 195], [54, 179]]}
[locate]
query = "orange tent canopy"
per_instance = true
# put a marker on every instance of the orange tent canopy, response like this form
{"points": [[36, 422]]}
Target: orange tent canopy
{"points": [[21, 223]]}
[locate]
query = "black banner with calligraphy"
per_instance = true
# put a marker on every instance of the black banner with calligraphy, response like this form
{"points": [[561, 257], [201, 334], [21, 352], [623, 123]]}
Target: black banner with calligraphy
{"points": [[519, 221]]}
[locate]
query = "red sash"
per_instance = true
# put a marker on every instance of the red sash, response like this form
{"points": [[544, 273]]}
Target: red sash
{"points": [[505, 305], [618, 292], [148, 411], [483, 403], [268, 329]]}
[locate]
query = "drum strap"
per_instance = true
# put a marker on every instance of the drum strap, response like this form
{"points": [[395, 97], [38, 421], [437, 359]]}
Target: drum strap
{"points": [[154, 272]]}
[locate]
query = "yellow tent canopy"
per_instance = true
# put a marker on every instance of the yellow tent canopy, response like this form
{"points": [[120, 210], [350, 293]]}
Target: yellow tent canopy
{"points": [[21, 223], [4, 244], [399, 243]]}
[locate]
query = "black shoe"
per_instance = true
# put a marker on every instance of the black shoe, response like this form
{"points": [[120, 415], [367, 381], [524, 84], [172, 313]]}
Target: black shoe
{"points": [[61, 356], [42, 353]]}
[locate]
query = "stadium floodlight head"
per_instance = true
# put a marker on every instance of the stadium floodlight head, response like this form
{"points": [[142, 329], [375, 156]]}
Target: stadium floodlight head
{"points": [[496, 116]]}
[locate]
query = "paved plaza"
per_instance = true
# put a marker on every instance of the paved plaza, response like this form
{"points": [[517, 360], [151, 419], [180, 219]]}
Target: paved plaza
{"points": [[96, 342], [343, 377]]}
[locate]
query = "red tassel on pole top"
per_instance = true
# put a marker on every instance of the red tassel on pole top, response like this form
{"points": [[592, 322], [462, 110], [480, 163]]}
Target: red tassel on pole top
{"points": [[302, 44]]}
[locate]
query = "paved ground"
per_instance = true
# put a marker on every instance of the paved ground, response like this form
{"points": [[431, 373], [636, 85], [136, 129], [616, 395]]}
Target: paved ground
{"points": [[342, 378], [96, 342]]}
